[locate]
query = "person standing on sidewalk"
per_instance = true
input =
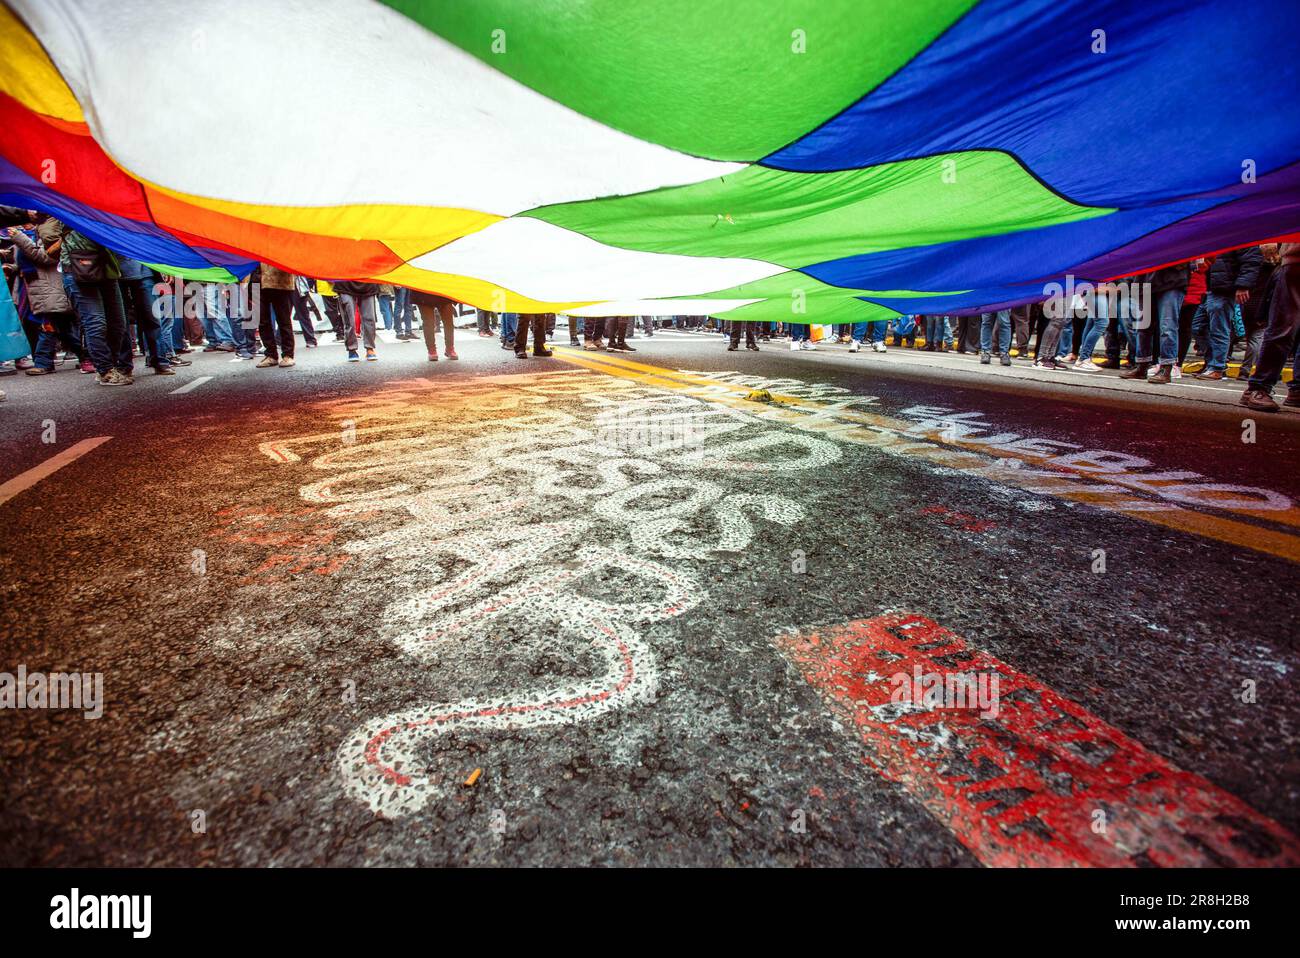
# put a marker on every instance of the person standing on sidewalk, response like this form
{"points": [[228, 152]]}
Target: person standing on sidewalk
{"points": [[1168, 290], [1279, 336], [49, 301], [1230, 279], [995, 329], [751, 342]]}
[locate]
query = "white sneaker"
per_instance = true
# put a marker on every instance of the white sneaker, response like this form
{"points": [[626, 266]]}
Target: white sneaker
{"points": [[806, 344], [1176, 372], [794, 344], [1085, 366], [878, 347], [854, 346]]}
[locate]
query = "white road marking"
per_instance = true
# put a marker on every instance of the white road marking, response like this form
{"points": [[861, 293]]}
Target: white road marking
{"points": [[192, 384], [35, 474]]}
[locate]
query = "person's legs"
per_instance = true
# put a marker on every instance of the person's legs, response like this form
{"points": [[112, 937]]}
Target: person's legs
{"points": [[347, 314], [386, 309], [302, 307], [1219, 306], [368, 320], [266, 326], [1280, 333]]}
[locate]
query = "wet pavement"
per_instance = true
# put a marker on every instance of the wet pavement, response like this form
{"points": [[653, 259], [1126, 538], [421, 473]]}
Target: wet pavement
{"points": [[647, 609]]}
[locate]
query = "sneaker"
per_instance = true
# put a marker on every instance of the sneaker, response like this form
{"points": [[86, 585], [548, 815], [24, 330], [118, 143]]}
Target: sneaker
{"points": [[623, 346], [854, 346], [266, 362], [23, 363], [112, 378], [1213, 374], [1047, 364], [370, 356], [164, 371], [1176, 372], [521, 354], [1258, 400], [450, 353], [733, 347], [353, 357], [225, 348], [806, 344], [286, 361], [508, 345], [985, 358], [178, 361], [87, 367], [753, 346], [794, 344], [1005, 359], [574, 342], [1139, 371], [433, 357], [1160, 376], [127, 376], [39, 371], [879, 347], [1085, 366]]}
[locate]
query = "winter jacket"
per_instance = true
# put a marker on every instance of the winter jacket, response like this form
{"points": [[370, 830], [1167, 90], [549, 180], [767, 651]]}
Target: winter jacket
{"points": [[1168, 278], [45, 285], [1234, 270]]}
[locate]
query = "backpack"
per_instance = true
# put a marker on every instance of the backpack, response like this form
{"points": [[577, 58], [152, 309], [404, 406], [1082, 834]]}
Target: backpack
{"points": [[88, 262]]}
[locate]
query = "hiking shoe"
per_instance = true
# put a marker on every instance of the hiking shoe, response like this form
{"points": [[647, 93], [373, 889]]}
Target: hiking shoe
{"points": [[1210, 374], [1139, 371], [1161, 376], [1258, 400]]}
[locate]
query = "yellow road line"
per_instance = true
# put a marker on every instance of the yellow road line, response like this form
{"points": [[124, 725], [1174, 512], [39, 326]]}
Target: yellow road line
{"points": [[949, 453]]}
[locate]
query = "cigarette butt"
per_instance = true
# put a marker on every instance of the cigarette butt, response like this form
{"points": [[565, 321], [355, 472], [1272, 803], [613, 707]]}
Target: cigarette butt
{"points": [[473, 776]]}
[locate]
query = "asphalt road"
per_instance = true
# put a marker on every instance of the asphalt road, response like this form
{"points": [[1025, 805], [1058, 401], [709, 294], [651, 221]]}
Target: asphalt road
{"points": [[646, 609]]}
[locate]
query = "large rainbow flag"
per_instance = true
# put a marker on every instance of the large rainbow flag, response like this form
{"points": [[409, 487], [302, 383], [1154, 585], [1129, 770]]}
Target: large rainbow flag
{"points": [[807, 160]]}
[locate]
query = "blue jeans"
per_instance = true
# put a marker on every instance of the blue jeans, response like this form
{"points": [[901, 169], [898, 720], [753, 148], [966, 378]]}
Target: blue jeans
{"points": [[386, 311], [1166, 318], [1001, 321], [1098, 321], [402, 310], [509, 324], [103, 323], [216, 325], [934, 329], [1216, 312], [800, 332]]}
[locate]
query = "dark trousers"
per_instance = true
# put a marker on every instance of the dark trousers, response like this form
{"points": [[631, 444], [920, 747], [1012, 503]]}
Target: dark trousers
{"points": [[276, 308], [538, 322], [1280, 334], [304, 307], [616, 329], [750, 338], [334, 313], [593, 328]]}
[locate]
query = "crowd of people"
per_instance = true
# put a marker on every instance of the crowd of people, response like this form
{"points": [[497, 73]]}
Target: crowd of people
{"points": [[82, 304]]}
